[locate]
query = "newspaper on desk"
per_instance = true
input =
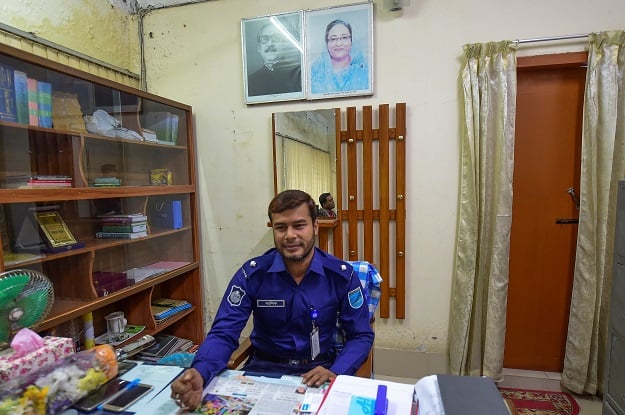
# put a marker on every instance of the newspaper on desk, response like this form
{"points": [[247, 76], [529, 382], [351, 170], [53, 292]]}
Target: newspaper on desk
{"points": [[235, 392]]}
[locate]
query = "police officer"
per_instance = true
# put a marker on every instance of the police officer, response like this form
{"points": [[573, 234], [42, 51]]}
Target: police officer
{"points": [[295, 293]]}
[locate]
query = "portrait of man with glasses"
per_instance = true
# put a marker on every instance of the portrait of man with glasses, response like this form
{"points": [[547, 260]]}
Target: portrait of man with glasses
{"points": [[273, 58], [339, 49]]}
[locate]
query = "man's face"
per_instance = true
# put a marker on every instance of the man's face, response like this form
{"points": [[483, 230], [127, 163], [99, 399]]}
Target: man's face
{"points": [[270, 45], [339, 42], [294, 233], [329, 204]]}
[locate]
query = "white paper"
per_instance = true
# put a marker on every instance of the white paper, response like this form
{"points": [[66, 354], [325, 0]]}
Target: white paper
{"points": [[345, 388]]}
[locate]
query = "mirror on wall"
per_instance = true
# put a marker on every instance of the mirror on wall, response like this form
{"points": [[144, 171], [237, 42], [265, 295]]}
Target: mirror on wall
{"points": [[304, 151]]}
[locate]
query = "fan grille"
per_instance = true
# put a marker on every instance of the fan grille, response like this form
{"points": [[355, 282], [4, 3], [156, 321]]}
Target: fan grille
{"points": [[26, 298]]}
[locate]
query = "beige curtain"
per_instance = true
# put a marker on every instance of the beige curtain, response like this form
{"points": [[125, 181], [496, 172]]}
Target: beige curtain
{"points": [[603, 163], [480, 281], [307, 168]]}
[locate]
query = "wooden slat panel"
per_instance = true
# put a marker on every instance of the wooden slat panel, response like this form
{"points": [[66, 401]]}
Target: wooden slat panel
{"points": [[338, 197], [352, 186], [359, 223], [400, 211], [383, 160], [367, 182]]}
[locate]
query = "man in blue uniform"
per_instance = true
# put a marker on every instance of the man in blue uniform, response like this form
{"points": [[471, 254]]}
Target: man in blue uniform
{"points": [[295, 292]]}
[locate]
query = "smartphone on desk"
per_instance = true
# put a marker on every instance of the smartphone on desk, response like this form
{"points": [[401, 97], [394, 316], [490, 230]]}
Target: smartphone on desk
{"points": [[90, 402], [127, 398]]}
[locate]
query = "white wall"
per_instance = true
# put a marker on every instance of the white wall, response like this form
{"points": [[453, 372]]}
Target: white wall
{"points": [[194, 55], [92, 27]]}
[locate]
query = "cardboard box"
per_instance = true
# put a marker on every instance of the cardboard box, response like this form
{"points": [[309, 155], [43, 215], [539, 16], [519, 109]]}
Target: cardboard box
{"points": [[54, 348]]}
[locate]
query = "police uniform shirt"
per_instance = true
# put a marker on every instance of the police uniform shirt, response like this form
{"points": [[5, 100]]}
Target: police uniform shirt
{"points": [[282, 313]]}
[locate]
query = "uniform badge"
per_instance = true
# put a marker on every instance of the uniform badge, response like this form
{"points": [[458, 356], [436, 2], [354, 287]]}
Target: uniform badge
{"points": [[236, 296], [356, 299]]}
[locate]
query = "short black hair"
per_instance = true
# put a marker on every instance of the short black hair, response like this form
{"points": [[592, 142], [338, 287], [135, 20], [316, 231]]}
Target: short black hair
{"points": [[291, 199], [323, 197]]}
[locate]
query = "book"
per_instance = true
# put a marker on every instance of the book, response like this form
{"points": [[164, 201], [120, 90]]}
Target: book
{"points": [[165, 307], [121, 235], [33, 102], [21, 96], [139, 274], [129, 332], [8, 112], [124, 228], [44, 103], [165, 126], [123, 219], [163, 343], [168, 214]]}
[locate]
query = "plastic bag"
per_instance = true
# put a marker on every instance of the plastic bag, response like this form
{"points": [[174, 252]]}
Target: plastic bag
{"points": [[103, 123], [54, 388]]}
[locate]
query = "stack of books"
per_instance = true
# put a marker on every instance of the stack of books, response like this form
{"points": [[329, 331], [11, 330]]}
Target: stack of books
{"points": [[107, 182], [38, 181], [165, 345], [131, 226], [165, 308]]}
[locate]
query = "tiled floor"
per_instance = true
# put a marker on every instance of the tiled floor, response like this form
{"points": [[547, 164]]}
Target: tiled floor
{"points": [[525, 379]]}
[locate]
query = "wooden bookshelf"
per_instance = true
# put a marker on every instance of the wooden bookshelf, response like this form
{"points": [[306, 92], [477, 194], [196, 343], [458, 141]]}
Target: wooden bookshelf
{"points": [[69, 149]]}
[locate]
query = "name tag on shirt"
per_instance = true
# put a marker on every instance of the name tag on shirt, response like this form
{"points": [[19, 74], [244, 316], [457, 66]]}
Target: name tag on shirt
{"points": [[270, 303]]}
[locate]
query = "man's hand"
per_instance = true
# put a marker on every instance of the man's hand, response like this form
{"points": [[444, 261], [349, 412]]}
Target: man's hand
{"points": [[186, 390], [318, 376]]}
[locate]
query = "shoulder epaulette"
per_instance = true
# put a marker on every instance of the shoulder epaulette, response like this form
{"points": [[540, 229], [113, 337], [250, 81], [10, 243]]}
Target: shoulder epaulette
{"points": [[255, 264]]}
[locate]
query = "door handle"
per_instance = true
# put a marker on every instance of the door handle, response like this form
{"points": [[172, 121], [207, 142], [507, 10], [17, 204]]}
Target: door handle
{"points": [[571, 191], [567, 221]]}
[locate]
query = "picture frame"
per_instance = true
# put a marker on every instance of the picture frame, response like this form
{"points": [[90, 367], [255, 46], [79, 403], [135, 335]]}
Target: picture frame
{"points": [[273, 57], [325, 51]]}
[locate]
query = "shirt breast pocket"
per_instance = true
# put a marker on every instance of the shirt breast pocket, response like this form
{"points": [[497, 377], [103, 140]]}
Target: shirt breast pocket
{"points": [[271, 313]]}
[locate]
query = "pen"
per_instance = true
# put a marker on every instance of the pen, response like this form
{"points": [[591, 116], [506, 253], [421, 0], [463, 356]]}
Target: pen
{"points": [[128, 386], [381, 403]]}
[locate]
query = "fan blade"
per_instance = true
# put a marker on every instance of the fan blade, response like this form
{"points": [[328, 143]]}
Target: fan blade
{"points": [[11, 286], [34, 303]]}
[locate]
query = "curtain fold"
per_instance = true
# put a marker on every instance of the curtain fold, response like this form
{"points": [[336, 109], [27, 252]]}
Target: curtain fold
{"points": [[480, 280], [603, 164]]}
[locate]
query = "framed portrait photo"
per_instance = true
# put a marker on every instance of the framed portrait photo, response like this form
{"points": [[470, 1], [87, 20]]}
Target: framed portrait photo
{"points": [[339, 51], [273, 56]]}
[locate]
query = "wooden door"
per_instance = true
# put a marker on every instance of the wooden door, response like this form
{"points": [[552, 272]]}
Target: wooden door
{"points": [[543, 238]]}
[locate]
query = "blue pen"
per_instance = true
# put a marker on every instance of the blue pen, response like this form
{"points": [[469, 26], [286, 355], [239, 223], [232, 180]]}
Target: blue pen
{"points": [[127, 387], [381, 402]]}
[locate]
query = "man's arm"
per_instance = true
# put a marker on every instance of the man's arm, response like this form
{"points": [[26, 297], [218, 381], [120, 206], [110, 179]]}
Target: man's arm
{"points": [[359, 336], [223, 338]]}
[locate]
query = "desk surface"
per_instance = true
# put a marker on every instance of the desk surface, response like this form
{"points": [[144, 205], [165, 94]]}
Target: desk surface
{"points": [[256, 394]]}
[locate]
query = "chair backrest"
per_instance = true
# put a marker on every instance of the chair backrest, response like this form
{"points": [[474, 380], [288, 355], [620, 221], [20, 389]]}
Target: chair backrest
{"points": [[370, 280]]}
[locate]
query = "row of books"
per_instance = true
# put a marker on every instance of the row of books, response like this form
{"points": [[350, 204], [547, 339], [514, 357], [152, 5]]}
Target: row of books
{"points": [[23, 99], [37, 181], [165, 345], [161, 127], [131, 226]]}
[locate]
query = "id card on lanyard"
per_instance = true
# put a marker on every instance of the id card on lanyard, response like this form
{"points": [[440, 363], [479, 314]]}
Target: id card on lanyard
{"points": [[314, 334]]}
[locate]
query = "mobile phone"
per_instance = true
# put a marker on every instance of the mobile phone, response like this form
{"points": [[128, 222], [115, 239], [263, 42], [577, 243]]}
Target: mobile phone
{"points": [[90, 402], [124, 366], [127, 398]]}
